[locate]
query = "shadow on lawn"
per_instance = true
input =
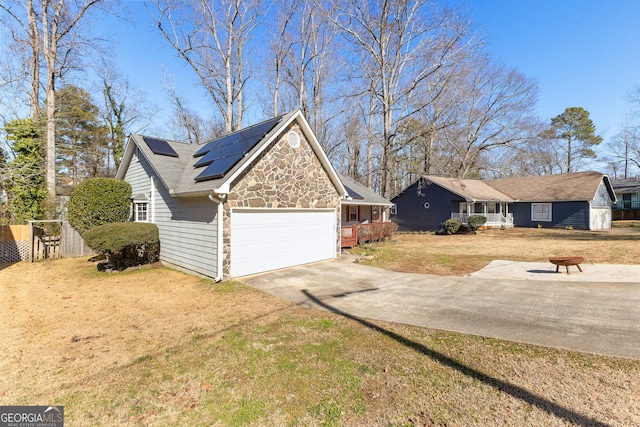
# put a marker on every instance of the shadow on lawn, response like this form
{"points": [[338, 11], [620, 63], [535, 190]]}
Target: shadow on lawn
{"points": [[4, 265], [500, 385]]}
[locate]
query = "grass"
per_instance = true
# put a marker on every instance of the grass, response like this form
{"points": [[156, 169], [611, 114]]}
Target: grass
{"points": [[464, 253], [157, 347]]}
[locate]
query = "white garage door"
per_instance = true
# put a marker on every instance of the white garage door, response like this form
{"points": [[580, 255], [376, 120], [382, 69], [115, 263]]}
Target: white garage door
{"points": [[263, 240]]}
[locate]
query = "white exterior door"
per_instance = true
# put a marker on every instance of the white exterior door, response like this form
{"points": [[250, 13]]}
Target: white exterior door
{"points": [[600, 218], [269, 239]]}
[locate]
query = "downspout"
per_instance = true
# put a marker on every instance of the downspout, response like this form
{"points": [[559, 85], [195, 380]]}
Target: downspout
{"points": [[220, 250]]}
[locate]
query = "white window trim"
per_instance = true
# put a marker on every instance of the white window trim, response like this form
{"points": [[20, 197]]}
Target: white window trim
{"points": [[393, 210], [544, 216], [136, 205]]}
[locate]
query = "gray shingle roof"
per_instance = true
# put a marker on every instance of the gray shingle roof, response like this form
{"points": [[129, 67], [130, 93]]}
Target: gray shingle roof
{"points": [[178, 174], [626, 186], [472, 190], [367, 195], [577, 186]]}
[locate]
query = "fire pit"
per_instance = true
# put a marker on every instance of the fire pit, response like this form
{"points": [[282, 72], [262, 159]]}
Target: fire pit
{"points": [[566, 261]]}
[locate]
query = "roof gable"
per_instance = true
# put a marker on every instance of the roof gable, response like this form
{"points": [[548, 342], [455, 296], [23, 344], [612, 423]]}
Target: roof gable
{"points": [[190, 172]]}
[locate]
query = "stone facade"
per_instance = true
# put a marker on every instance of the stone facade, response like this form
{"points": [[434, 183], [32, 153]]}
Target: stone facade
{"points": [[281, 177]]}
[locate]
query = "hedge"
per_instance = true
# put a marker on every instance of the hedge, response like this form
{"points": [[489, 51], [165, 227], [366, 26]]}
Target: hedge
{"points": [[125, 244], [99, 201]]}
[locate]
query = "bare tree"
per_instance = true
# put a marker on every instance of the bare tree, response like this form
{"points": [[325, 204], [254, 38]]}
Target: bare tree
{"points": [[400, 44], [623, 150], [124, 111], [21, 20], [211, 37], [190, 126], [51, 29], [280, 45], [495, 107], [303, 57]]}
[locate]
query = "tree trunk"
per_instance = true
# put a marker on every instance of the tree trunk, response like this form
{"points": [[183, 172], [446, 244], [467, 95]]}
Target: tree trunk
{"points": [[34, 41]]}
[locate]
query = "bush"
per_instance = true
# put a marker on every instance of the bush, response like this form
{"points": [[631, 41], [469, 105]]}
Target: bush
{"points": [[99, 201], [376, 231], [475, 222], [451, 226], [125, 243]]}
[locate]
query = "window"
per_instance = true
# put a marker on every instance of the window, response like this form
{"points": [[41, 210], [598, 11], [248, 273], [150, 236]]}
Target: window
{"points": [[394, 209], [375, 213], [353, 213], [540, 211], [140, 212]]}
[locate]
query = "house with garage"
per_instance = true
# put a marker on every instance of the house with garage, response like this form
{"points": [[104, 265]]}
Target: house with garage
{"points": [[362, 209], [580, 200], [262, 198]]}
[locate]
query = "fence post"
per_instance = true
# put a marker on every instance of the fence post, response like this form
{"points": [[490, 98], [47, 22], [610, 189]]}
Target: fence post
{"points": [[30, 241]]}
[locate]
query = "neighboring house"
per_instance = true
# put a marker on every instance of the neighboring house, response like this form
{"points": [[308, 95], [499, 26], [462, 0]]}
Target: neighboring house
{"points": [[579, 200], [431, 200], [259, 199], [361, 208], [628, 195]]}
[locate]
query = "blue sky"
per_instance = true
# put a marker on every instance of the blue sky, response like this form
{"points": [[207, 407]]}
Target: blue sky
{"points": [[583, 53]]}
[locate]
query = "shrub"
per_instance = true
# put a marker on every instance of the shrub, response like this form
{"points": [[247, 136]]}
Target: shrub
{"points": [[99, 201], [125, 243], [475, 222], [376, 231], [451, 226]]}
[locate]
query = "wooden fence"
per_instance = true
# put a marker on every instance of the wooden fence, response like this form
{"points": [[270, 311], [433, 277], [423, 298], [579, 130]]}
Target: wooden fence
{"points": [[40, 240], [72, 243], [14, 243]]}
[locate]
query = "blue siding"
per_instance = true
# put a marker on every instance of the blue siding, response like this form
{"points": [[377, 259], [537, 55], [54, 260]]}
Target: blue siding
{"points": [[564, 214], [411, 212], [188, 226]]}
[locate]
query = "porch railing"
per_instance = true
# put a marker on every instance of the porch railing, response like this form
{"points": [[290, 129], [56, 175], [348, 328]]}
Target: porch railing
{"points": [[627, 205], [493, 219], [355, 234], [349, 236]]}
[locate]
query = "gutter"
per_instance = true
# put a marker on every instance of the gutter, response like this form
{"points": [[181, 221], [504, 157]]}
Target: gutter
{"points": [[219, 199]]}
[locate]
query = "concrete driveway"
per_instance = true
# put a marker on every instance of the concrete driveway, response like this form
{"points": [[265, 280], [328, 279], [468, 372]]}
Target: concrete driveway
{"points": [[597, 311]]}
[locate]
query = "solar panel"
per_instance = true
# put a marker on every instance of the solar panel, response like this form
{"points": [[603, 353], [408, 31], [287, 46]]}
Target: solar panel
{"points": [[249, 137], [352, 193], [220, 155], [160, 146], [216, 143], [227, 150], [218, 168]]}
